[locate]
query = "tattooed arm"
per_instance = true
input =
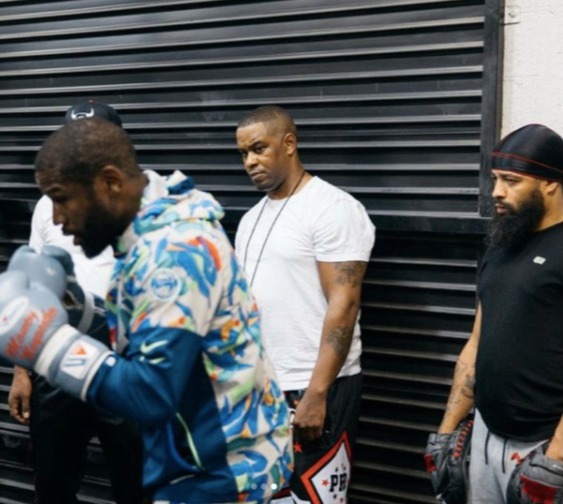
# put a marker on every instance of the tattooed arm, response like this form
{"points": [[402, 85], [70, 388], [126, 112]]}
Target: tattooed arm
{"points": [[341, 283], [460, 400]]}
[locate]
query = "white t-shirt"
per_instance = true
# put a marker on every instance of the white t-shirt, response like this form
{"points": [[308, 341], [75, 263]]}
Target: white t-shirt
{"points": [[319, 223], [93, 275]]}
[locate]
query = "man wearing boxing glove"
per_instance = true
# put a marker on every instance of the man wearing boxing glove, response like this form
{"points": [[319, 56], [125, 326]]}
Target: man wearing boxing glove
{"points": [[510, 369], [60, 423], [189, 365]]}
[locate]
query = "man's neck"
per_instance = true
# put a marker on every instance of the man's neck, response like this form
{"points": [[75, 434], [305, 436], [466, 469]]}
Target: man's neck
{"points": [[291, 186], [550, 219]]}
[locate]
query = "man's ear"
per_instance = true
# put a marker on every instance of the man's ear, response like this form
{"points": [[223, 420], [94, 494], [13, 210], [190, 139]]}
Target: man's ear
{"points": [[290, 143], [552, 186], [111, 178]]}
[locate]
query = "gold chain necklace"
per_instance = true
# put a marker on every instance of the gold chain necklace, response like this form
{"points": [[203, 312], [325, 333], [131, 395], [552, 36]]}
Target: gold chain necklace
{"points": [[269, 230]]}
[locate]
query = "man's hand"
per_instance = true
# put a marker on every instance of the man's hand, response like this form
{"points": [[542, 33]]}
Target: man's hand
{"points": [[20, 395], [310, 416], [536, 480]]}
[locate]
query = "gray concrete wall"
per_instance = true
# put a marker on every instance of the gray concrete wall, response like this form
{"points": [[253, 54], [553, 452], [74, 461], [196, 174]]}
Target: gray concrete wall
{"points": [[533, 64]]}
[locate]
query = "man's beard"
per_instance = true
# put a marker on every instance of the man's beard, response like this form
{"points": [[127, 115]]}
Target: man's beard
{"points": [[101, 229], [516, 225]]}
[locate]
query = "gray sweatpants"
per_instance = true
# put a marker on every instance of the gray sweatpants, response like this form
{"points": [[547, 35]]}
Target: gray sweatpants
{"points": [[492, 461]]}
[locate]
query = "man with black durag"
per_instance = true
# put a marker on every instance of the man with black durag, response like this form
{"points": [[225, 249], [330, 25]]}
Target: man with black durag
{"points": [[511, 369]]}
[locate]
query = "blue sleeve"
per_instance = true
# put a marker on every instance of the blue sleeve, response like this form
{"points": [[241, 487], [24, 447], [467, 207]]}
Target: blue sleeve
{"points": [[147, 388], [170, 290]]}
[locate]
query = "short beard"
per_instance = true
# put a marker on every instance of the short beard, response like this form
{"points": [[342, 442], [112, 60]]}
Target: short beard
{"points": [[101, 229], [515, 226]]}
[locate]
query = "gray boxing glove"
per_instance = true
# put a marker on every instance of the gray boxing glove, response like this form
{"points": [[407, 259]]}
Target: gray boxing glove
{"points": [[447, 463], [536, 480], [54, 269], [35, 334]]}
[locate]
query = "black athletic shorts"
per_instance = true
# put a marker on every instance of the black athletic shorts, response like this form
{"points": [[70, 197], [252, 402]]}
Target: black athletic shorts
{"points": [[323, 466]]}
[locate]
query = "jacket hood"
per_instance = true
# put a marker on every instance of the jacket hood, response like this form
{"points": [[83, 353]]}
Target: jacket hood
{"points": [[167, 200]]}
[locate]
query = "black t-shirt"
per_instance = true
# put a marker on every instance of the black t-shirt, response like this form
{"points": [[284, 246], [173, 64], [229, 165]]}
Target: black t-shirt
{"points": [[519, 368]]}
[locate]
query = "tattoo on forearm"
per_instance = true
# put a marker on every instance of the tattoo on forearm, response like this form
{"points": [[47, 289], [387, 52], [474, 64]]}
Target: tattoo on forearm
{"points": [[350, 272], [468, 386], [463, 390], [340, 338]]}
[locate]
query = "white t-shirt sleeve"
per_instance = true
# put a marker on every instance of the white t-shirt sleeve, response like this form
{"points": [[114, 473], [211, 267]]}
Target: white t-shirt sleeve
{"points": [[343, 231], [40, 220], [241, 230]]}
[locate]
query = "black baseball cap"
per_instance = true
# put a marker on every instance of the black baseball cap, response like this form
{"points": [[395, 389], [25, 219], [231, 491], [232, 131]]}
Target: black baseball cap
{"points": [[92, 108]]}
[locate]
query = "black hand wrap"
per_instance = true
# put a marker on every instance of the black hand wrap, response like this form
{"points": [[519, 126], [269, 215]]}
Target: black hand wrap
{"points": [[447, 463], [99, 328], [86, 311]]}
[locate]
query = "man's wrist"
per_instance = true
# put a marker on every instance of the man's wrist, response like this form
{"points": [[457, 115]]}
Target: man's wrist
{"points": [[555, 450], [20, 371], [448, 426], [319, 390]]}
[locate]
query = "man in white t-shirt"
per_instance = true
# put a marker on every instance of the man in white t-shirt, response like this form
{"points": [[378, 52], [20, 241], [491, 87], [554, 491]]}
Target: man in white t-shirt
{"points": [[305, 247], [60, 425]]}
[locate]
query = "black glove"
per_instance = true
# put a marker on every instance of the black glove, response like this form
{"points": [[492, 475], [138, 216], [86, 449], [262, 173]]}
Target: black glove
{"points": [[447, 463], [536, 480]]}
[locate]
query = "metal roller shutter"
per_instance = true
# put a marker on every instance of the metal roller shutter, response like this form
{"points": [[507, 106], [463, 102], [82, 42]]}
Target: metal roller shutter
{"points": [[394, 100]]}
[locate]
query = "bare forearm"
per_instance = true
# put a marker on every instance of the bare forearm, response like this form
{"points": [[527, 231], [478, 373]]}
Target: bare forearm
{"points": [[341, 284], [338, 330], [310, 414], [460, 400]]}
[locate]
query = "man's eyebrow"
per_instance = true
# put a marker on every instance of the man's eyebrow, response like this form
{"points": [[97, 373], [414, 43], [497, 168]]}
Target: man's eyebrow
{"points": [[506, 175], [512, 175], [252, 144]]}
